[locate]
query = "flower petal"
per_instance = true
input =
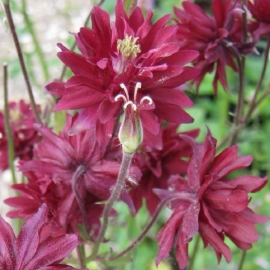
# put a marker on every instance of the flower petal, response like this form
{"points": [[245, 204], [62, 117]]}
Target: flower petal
{"points": [[210, 236], [7, 240], [235, 200], [53, 250], [28, 238], [166, 235]]}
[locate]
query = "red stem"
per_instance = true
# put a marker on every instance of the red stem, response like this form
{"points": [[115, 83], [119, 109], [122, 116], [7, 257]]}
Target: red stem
{"points": [[21, 59], [183, 196]]}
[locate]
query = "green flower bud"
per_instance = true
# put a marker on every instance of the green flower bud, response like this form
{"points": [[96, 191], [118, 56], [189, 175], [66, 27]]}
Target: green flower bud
{"points": [[130, 132]]}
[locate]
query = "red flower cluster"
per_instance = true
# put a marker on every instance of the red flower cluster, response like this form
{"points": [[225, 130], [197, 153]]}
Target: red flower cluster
{"points": [[138, 69], [23, 133], [141, 66], [214, 205], [70, 174], [28, 251], [158, 163], [219, 39], [260, 10]]}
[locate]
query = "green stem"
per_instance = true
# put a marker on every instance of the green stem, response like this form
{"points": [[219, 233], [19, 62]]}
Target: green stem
{"points": [[21, 59], [81, 255], [194, 252], [8, 127], [119, 186], [32, 32], [263, 97], [241, 263]]}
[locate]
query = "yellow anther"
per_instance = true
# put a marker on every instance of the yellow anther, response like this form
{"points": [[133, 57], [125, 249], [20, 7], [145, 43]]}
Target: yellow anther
{"points": [[15, 115], [128, 46]]}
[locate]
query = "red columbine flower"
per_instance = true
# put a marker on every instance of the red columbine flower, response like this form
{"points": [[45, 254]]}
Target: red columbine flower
{"points": [[158, 163], [64, 212], [260, 10], [28, 252], [129, 62], [71, 174], [59, 156], [216, 206], [23, 133], [214, 37]]}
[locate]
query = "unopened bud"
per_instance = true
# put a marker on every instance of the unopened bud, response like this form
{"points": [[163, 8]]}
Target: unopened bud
{"points": [[130, 133]]}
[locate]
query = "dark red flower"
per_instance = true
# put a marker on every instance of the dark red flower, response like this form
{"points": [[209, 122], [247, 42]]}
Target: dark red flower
{"points": [[71, 174], [260, 10], [23, 133], [158, 163], [214, 37], [28, 252], [129, 62], [64, 212], [216, 206]]}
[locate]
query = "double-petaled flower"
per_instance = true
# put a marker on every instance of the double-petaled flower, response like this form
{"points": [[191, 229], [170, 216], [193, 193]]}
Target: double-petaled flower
{"points": [[211, 203], [260, 10], [29, 251], [23, 133], [157, 163], [218, 38], [130, 65], [70, 174]]}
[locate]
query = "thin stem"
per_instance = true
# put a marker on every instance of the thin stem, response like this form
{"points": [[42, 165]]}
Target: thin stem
{"points": [[115, 128], [8, 127], [101, 2], [239, 107], [130, 5], [240, 101], [254, 103], [245, 25], [32, 32], [241, 263], [119, 186], [262, 98], [258, 87], [77, 174], [21, 59], [228, 136], [194, 252], [184, 196], [80, 254]]}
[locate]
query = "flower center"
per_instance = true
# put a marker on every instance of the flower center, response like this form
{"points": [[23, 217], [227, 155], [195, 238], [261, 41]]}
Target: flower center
{"points": [[133, 103], [128, 46], [15, 115]]}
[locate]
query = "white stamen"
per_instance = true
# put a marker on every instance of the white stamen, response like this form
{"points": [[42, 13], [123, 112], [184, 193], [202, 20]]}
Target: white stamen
{"points": [[120, 96], [133, 103], [137, 87], [125, 89], [130, 103], [150, 101]]}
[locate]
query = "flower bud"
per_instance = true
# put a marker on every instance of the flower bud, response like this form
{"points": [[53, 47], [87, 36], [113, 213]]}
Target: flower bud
{"points": [[130, 133]]}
